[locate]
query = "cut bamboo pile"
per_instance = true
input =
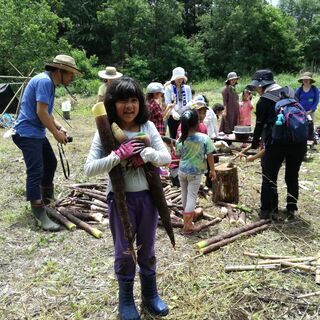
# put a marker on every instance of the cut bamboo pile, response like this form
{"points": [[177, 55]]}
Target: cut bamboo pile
{"points": [[86, 204], [308, 264]]}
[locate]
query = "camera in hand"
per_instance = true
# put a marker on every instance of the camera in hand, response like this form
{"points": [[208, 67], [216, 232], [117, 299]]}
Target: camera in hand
{"points": [[69, 139]]}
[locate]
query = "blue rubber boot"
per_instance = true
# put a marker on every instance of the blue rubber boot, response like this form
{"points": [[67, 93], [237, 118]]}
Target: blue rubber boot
{"points": [[127, 308], [150, 298]]}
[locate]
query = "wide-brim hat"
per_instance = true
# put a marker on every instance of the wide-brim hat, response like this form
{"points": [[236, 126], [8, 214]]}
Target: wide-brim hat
{"points": [[155, 87], [109, 73], [306, 76], [262, 78], [231, 76], [178, 73], [64, 62]]}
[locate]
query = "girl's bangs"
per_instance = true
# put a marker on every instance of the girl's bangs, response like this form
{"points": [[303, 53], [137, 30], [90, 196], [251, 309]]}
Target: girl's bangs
{"points": [[126, 90]]}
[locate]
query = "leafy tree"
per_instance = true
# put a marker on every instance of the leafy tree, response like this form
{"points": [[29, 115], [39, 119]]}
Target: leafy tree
{"points": [[28, 34], [244, 35], [81, 27], [306, 13], [129, 21]]}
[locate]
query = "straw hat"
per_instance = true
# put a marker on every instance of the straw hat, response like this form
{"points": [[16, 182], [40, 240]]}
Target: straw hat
{"points": [[306, 76], [178, 73], [64, 62], [231, 76], [109, 73]]}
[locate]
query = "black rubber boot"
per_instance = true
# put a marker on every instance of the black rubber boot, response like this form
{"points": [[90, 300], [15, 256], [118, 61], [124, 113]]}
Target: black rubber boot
{"points": [[150, 298], [127, 308], [40, 213], [47, 194]]}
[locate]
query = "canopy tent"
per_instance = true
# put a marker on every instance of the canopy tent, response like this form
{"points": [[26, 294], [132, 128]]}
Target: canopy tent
{"points": [[6, 95]]}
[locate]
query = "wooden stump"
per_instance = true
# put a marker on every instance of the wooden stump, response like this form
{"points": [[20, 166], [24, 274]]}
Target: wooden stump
{"points": [[226, 187]]}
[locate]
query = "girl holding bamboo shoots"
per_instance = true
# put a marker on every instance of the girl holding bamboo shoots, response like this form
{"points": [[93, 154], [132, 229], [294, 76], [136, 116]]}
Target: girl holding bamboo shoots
{"points": [[194, 148], [137, 143]]}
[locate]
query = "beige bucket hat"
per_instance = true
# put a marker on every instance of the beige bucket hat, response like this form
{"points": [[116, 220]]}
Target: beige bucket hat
{"points": [[109, 73], [306, 76], [231, 76], [64, 62]]}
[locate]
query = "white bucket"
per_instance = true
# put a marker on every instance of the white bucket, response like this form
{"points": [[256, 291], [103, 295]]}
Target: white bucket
{"points": [[66, 105]]}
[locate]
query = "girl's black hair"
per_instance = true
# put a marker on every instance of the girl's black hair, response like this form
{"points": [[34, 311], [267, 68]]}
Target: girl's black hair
{"points": [[218, 107], [189, 120], [123, 89]]}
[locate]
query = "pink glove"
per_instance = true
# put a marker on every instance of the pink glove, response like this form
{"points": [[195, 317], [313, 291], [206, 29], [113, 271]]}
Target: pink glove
{"points": [[128, 148], [136, 161]]}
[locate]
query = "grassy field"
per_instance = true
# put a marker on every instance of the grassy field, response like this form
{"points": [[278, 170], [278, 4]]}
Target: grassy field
{"points": [[69, 275]]}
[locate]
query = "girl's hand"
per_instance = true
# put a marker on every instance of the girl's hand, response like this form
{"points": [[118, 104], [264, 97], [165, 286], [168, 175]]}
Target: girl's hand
{"points": [[250, 159], [212, 175]]}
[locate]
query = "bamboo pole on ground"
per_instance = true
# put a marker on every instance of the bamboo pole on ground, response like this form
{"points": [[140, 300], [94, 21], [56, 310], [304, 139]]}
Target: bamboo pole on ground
{"points": [[254, 267], [307, 295], [61, 219], [298, 266], [318, 271], [93, 231], [264, 256], [234, 232], [217, 245]]}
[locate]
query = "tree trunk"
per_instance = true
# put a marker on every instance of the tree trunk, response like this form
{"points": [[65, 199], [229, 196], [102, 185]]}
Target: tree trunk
{"points": [[226, 186]]}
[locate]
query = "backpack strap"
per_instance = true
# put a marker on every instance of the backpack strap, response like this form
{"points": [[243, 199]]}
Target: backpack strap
{"points": [[276, 95]]}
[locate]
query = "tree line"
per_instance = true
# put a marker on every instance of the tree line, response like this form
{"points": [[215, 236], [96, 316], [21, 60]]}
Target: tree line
{"points": [[148, 38]]}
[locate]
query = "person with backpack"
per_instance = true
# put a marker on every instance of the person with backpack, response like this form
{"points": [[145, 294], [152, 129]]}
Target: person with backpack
{"points": [[282, 140]]}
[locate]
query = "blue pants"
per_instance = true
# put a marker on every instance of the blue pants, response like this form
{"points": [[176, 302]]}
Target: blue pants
{"points": [[41, 164], [144, 219]]}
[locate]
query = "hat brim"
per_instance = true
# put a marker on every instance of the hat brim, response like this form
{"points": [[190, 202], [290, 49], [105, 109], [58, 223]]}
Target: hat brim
{"points": [[199, 105], [234, 78], [156, 91], [102, 74], [63, 66], [306, 78], [259, 84], [183, 77]]}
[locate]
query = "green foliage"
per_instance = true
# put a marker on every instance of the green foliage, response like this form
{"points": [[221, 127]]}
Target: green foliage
{"points": [[235, 29], [306, 14], [28, 34]]}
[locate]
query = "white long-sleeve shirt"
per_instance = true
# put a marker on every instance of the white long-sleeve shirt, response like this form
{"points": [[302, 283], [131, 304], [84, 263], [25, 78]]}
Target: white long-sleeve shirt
{"points": [[211, 123], [98, 163]]}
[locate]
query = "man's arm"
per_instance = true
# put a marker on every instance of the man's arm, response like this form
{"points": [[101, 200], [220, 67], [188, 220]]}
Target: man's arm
{"points": [[49, 122]]}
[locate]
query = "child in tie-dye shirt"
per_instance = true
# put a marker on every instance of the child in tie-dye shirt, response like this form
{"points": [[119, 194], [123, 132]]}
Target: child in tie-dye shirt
{"points": [[194, 149]]}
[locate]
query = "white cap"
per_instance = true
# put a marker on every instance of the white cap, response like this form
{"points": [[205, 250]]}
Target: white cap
{"points": [[178, 73], [155, 87]]}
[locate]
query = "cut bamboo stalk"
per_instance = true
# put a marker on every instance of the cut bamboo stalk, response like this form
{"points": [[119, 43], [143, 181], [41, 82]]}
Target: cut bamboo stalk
{"points": [[302, 259], [61, 219], [217, 245], [264, 256], [205, 225], [230, 234], [275, 266], [298, 266], [85, 226], [307, 295], [318, 271], [92, 194]]}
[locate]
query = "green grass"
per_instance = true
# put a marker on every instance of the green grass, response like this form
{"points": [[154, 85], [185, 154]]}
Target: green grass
{"points": [[69, 275]]}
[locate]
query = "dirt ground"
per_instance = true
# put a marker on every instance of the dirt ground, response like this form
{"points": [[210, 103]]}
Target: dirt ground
{"points": [[69, 275]]}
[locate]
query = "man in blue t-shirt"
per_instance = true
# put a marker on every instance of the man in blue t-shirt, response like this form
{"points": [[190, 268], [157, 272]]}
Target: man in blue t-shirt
{"points": [[30, 127]]}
